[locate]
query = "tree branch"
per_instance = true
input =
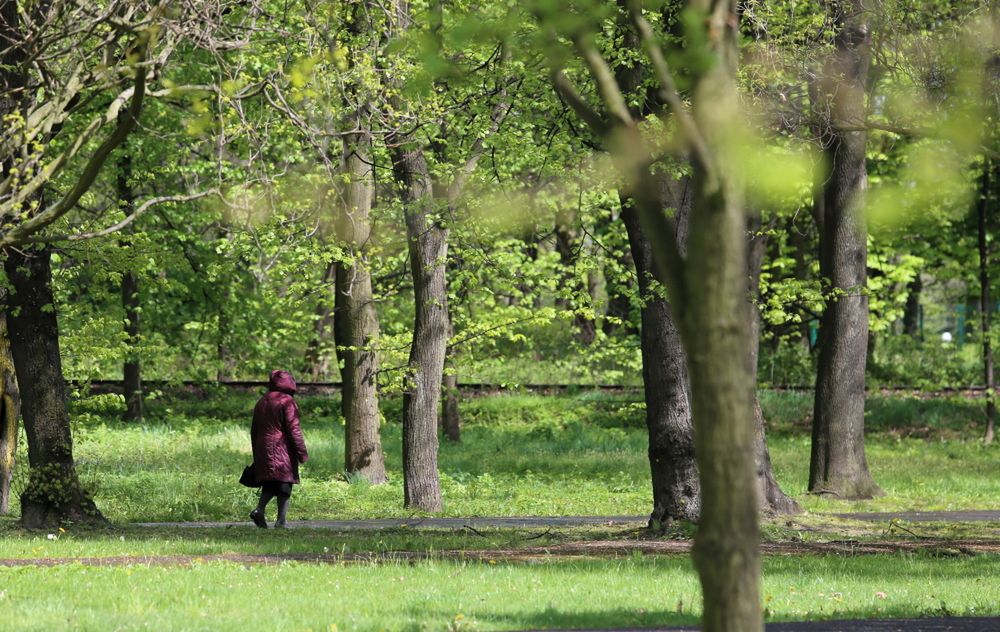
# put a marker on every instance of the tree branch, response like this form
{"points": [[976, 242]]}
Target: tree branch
{"points": [[565, 88], [125, 125], [134, 215]]}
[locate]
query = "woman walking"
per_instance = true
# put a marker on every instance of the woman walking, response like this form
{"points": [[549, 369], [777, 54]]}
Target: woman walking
{"points": [[278, 447]]}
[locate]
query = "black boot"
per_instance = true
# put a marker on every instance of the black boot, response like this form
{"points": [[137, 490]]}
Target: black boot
{"points": [[282, 512], [258, 518]]}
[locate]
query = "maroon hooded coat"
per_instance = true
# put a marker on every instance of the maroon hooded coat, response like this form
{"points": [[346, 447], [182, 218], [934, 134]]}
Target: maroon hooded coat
{"points": [[278, 446]]}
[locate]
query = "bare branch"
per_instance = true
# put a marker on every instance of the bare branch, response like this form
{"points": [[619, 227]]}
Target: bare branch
{"points": [[129, 219], [607, 86]]}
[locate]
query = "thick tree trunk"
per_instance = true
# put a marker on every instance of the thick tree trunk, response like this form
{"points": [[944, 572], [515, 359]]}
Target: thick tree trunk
{"points": [[53, 493], [716, 333], [838, 465], [132, 382], [676, 488], [985, 305], [428, 244], [10, 410], [356, 327]]}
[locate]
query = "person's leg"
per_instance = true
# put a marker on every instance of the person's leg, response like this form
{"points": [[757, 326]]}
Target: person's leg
{"points": [[257, 515], [284, 494]]}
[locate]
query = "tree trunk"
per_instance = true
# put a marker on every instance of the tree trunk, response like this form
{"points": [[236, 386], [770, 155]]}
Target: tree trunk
{"points": [[356, 327], [428, 245], [317, 358], [773, 500], [450, 417], [716, 333], [10, 410], [676, 488], [985, 304], [911, 312], [53, 493], [838, 465], [132, 382]]}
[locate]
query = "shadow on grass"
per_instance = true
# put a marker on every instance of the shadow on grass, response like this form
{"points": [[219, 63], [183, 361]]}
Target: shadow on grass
{"points": [[553, 618]]}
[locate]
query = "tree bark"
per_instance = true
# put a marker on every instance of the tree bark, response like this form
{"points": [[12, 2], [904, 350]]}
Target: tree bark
{"points": [[10, 410], [911, 312], [985, 304], [838, 465], [676, 488], [356, 327], [53, 493], [451, 421], [773, 500], [450, 416], [427, 238], [132, 382]]}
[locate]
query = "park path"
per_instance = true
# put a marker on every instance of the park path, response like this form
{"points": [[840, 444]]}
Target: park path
{"points": [[541, 522]]}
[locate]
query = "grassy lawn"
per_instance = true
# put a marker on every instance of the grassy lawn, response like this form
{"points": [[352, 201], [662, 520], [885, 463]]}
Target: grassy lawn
{"points": [[578, 454], [581, 454], [441, 595]]}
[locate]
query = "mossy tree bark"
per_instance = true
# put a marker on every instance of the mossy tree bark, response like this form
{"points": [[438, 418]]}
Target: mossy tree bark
{"points": [[838, 465], [53, 493]]}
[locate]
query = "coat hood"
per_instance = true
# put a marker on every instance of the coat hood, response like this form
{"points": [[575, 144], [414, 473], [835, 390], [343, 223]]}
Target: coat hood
{"points": [[283, 381]]}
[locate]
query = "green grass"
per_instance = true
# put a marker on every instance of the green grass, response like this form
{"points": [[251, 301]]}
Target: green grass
{"points": [[581, 454], [442, 595], [521, 455]]}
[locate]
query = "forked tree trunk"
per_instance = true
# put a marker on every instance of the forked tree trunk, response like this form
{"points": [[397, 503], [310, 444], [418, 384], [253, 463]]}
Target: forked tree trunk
{"points": [[985, 305], [838, 465], [53, 493], [10, 410], [427, 239], [676, 488]]}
